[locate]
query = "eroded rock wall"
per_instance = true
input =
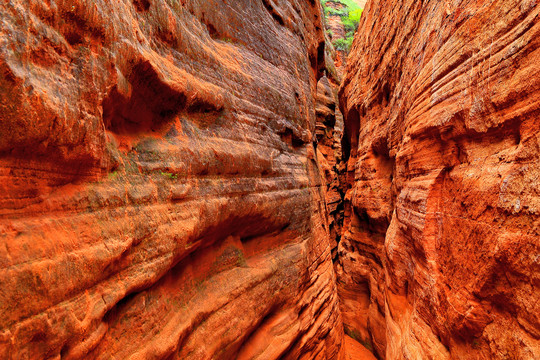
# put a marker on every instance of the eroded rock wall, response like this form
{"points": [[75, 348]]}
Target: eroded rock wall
{"points": [[328, 133], [160, 196], [440, 253]]}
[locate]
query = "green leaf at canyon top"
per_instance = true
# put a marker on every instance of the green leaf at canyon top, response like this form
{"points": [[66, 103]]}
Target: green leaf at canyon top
{"points": [[350, 12]]}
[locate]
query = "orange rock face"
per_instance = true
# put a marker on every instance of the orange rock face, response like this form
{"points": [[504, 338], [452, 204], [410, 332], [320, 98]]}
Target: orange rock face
{"points": [[355, 351], [336, 28], [440, 253], [328, 132], [160, 196]]}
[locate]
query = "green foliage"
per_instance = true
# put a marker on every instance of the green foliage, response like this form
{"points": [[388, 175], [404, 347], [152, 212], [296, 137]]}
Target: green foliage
{"points": [[355, 15], [351, 4], [113, 175], [349, 25], [350, 16], [169, 175], [343, 44], [340, 13]]}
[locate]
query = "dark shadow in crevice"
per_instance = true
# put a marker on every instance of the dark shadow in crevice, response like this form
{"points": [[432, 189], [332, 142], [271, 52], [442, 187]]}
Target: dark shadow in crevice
{"points": [[141, 5], [351, 131], [291, 139], [268, 4], [151, 102]]}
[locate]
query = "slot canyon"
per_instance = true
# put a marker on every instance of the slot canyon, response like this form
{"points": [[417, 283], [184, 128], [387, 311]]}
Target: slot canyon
{"points": [[225, 179]]}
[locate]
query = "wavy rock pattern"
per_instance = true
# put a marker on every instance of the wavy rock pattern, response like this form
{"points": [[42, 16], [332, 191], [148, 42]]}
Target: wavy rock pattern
{"points": [[160, 196], [328, 133], [440, 254]]}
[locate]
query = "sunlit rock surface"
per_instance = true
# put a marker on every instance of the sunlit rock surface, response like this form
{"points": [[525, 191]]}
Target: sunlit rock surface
{"points": [[440, 253], [160, 195]]}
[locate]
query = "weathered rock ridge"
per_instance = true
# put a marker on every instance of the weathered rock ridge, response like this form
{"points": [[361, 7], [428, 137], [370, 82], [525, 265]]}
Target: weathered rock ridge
{"points": [[173, 186], [328, 133], [440, 254], [160, 194]]}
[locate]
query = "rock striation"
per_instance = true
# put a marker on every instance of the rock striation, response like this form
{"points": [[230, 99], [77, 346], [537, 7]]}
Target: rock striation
{"points": [[439, 257], [328, 133], [160, 194]]}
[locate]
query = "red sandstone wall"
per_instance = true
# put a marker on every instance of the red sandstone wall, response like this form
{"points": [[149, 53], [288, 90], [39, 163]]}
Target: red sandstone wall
{"points": [[328, 133], [440, 253], [159, 192]]}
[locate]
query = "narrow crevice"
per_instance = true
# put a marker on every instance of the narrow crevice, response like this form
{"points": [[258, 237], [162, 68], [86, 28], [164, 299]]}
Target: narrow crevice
{"points": [[271, 7], [142, 5]]}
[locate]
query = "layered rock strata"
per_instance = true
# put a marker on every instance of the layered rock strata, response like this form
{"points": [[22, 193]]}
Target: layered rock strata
{"points": [[160, 196], [336, 30], [440, 253], [328, 133]]}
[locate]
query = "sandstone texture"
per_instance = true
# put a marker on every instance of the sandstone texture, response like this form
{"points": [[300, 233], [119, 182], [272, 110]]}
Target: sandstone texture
{"points": [[328, 133], [355, 351], [336, 31], [160, 194], [440, 254]]}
